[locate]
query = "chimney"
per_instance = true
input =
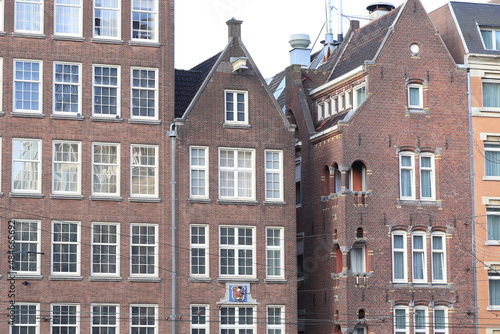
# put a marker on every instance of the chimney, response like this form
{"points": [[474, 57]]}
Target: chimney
{"points": [[378, 9], [234, 28], [300, 54]]}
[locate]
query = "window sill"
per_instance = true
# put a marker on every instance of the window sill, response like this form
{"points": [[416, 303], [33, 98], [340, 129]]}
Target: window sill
{"points": [[2, 113], [421, 285], [236, 202], [106, 41], [27, 114], [238, 279], [33, 277], [28, 35], [200, 200], [26, 195], [104, 279], [106, 198], [144, 121], [406, 202], [492, 242], [199, 280], [61, 196], [493, 308], [65, 278], [145, 279], [144, 200], [3, 33], [144, 43], [70, 117], [491, 178], [116, 119], [68, 38], [237, 126], [275, 281], [274, 203], [1, 194], [417, 111]]}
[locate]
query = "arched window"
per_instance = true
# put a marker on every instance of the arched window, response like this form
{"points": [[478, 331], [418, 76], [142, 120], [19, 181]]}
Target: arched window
{"points": [[358, 176], [359, 233], [337, 181]]}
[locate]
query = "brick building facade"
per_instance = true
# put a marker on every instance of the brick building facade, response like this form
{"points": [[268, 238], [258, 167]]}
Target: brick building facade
{"points": [[87, 96], [384, 228], [239, 208], [468, 30]]}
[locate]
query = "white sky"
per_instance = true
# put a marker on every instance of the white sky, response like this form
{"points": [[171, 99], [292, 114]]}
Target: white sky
{"points": [[201, 30]]}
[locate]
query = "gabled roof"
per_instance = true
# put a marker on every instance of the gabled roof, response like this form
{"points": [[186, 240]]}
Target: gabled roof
{"points": [[187, 83], [276, 86], [470, 16], [363, 44]]}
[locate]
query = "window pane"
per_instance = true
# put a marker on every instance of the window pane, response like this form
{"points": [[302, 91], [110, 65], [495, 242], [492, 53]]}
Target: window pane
{"points": [[493, 226], [492, 160], [494, 287], [491, 94]]}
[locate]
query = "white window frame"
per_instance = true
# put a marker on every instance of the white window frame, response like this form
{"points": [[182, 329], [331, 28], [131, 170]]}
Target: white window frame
{"points": [[440, 253], [199, 319], [154, 13], [236, 172], [494, 148], [425, 310], [65, 85], [198, 164], [145, 170], [359, 90], [271, 173], [64, 242], [493, 276], [405, 330], [494, 31], [35, 161], [136, 257], [234, 112], [236, 247], [40, 18], [117, 27], [26, 250], [483, 106], [354, 264], [341, 101], [2, 13], [198, 244], [106, 166], [66, 167], [320, 109], [58, 317], [327, 108], [493, 212], [276, 246], [100, 239], [348, 102], [64, 7], [31, 92], [110, 87], [24, 311], [138, 88], [434, 323], [141, 320], [107, 316], [431, 171], [236, 319], [404, 252], [420, 104], [275, 324], [411, 169], [419, 252]]}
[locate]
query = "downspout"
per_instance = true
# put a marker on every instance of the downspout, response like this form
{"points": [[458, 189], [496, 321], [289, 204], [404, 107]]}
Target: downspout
{"points": [[172, 134], [471, 176]]}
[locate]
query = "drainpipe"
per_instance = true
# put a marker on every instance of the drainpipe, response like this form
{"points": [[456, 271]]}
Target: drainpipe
{"points": [[473, 224], [172, 134]]}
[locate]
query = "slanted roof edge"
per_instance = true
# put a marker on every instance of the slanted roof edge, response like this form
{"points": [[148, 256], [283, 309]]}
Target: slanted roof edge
{"points": [[458, 27]]}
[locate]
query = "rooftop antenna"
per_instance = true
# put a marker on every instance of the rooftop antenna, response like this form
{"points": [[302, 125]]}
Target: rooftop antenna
{"points": [[340, 35]]}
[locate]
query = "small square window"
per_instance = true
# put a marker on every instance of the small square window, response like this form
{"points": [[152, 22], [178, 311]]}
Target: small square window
{"points": [[415, 96]]}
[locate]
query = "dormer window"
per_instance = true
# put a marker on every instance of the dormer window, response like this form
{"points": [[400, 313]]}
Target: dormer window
{"points": [[236, 107], [415, 96], [491, 38]]}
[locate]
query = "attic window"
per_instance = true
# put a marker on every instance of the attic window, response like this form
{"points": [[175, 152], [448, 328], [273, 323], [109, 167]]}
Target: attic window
{"points": [[239, 64], [491, 38]]}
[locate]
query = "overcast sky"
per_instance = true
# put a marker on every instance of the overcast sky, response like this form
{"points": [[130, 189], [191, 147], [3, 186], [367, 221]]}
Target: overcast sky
{"points": [[201, 30]]}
